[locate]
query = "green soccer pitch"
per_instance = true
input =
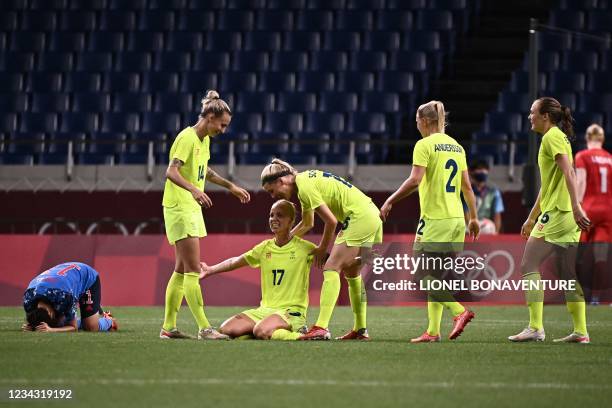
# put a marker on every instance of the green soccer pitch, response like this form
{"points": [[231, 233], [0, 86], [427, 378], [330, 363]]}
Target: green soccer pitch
{"points": [[133, 367]]}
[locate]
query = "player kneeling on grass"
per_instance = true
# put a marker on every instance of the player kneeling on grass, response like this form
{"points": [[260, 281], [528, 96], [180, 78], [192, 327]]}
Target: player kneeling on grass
{"points": [[284, 262], [51, 299]]}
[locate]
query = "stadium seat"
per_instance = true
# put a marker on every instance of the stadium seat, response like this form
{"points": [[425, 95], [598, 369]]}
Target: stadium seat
{"points": [[315, 20], [236, 20], [27, 41], [121, 82], [568, 20], [77, 20], [255, 102], [599, 20], [246, 4], [246, 122], [211, 61], [19, 62], [395, 81], [94, 61], [14, 102], [230, 81], [599, 82], [338, 102], [580, 61], [185, 41], [173, 102], [120, 122], [79, 122], [355, 20], [262, 41], [145, 41], [286, 4], [50, 102], [270, 144], [38, 122], [8, 122], [66, 41], [367, 123], [381, 41], [100, 41], [301, 41], [274, 20], [168, 4], [326, 4], [291, 61], [172, 61], [582, 120], [502, 122], [16, 159], [206, 4], [300, 102], [493, 144], [246, 61], [91, 102], [223, 41], [342, 40], [196, 20], [434, 20], [55, 61], [38, 20], [329, 61], [83, 82], [156, 20], [324, 122], [127, 5], [577, 4], [406, 4], [599, 43], [415, 61], [160, 122], [44, 82], [355, 81], [11, 82], [283, 122], [568, 99], [595, 102], [88, 4], [514, 102], [554, 42], [422, 40], [198, 81], [374, 61], [520, 81], [566, 82], [160, 82], [386, 102], [115, 20], [395, 20], [107, 143], [8, 20], [133, 61], [131, 102], [91, 159]]}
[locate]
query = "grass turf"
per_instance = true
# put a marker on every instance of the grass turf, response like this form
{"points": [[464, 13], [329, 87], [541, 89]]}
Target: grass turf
{"points": [[481, 368]]}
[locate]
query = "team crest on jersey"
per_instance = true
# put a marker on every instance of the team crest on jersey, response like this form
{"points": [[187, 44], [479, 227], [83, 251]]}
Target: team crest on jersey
{"points": [[268, 255], [197, 151], [292, 255]]}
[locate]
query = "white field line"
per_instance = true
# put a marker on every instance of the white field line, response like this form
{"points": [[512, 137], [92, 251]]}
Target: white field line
{"points": [[301, 382]]}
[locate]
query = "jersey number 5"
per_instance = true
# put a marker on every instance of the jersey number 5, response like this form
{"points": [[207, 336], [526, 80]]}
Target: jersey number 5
{"points": [[278, 276], [451, 164]]}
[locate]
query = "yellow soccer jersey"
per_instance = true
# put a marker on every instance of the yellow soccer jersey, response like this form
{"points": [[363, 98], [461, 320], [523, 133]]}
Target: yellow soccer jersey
{"points": [[194, 153], [440, 188], [285, 272], [316, 187], [554, 193]]}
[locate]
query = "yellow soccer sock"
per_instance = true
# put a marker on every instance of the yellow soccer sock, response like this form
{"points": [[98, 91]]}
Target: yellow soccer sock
{"points": [[577, 308], [455, 308], [174, 298], [193, 294], [359, 301], [329, 296], [434, 315], [283, 334], [535, 302]]}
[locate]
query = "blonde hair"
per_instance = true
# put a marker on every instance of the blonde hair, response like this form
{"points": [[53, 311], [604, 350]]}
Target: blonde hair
{"points": [[433, 111], [211, 103], [275, 170], [595, 133], [287, 206]]}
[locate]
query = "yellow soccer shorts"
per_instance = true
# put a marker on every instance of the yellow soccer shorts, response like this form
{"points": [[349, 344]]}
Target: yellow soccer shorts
{"points": [[183, 223], [444, 235], [362, 230], [557, 227], [294, 318]]}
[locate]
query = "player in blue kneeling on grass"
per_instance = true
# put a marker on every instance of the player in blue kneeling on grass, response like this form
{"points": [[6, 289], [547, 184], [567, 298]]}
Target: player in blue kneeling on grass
{"points": [[51, 300], [285, 262]]}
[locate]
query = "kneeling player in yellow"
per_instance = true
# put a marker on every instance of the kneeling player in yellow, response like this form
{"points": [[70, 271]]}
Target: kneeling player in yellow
{"points": [[336, 201], [284, 262], [439, 171], [183, 200], [561, 218]]}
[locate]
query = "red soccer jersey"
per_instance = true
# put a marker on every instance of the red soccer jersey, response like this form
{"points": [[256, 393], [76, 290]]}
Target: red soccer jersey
{"points": [[598, 166]]}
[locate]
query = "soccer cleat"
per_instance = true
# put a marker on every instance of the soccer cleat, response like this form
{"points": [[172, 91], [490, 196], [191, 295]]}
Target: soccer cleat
{"points": [[426, 338], [528, 334], [574, 338], [460, 322], [316, 333], [109, 315], [211, 334], [361, 334], [173, 334]]}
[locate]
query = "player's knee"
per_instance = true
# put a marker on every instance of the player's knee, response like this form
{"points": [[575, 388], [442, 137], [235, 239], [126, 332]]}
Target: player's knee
{"points": [[262, 333]]}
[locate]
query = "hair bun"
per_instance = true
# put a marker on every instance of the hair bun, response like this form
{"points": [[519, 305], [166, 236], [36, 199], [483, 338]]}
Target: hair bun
{"points": [[211, 94]]}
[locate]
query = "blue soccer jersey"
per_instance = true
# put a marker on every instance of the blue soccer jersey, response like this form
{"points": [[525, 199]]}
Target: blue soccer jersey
{"points": [[61, 286]]}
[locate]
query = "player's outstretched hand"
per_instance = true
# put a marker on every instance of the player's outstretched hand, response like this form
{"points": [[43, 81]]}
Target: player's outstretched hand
{"points": [[43, 327], [320, 256], [385, 210], [201, 198], [581, 218], [26, 327], [204, 270], [527, 227], [474, 229], [240, 193]]}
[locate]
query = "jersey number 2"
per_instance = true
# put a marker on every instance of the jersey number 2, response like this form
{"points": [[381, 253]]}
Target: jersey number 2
{"points": [[278, 276], [451, 164]]}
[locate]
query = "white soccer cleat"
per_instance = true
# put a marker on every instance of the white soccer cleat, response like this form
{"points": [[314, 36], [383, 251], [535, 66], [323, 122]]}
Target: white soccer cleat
{"points": [[528, 334], [574, 338], [211, 334]]}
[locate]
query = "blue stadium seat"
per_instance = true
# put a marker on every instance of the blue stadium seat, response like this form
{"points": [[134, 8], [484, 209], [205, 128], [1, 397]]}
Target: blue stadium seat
{"points": [[329, 61], [600, 43], [514, 102], [206, 4], [566, 82], [13, 5], [145, 41], [365, 4], [315, 20], [367, 122], [83, 82], [172, 61], [520, 81], [316, 81], [246, 61], [255, 102], [395, 81], [496, 122], [160, 122], [380, 102], [599, 82], [338, 102], [160, 82], [434, 20], [115, 20], [311, 144], [133, 61], [10, 82], [231, 81], [173, 102], [38, 122], [283, 122], [107, 143], [50, 102], [168, 4], [196, 20], [48, 4], [8, 20], [554, 41], [422, 40], [246, 123], [547, 61], [223, 41], [14, 102], [286, 4], [67, 41], [19, 62], [568, 99], [88, 4], [493, 144], [275, 20], [325, 122], [595, 102], [120, 122], [185, 41], [44, 82], [127, 5], [16, 159], [270, 144], [212, 61], [568, 20], [406, 4], [236, 20], [94, 61], [156, 20], [599, 20], [415, 61], [381, 40], [355, 20], [580, 61], [326, 4], [395, 20], [121, 82], [246, 4], [8, 122], [292, 61], [55, 61], [578, 4], [79, 122], [100, 41], [301, 41], [355, 81], [38, 20], [374, 61], [262, 41], [77, 20], [132, 102], [301, 102], [582, 120], [91, 102], [198, 81], [91, 159], [342, 40], [27, 41]]}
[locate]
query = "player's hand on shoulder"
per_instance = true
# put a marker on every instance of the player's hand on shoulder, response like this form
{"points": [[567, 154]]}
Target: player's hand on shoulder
{"points": [[240, 193], [202, 198], [527, 227]]}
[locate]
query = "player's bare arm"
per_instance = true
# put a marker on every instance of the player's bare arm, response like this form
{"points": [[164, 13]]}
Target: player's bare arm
{"points": [[305, 224], [570, 181], [468, 195], [173, 174], [408, 187], [240, 193], [224, 266]]}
